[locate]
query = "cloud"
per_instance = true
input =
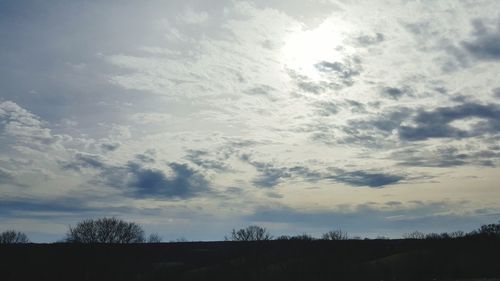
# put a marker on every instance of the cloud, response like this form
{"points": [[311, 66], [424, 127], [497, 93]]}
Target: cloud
{"points": [[362, 178], [306, 173], [193, 17], [141, 181], [496, 93], [147, 157], [110, 146], [151, 118], [485, 44], [327, 108], [261, 90], [199, 158], [184, 182], [465, 120], [271, 175], [6, 176], [355, 106], [372, 219], [333, 75], [24, 126], [372, 131], [341, 72], [446, 156], [85, 160], [18, 207], [436, 123], [395, 93], [367, 40]]}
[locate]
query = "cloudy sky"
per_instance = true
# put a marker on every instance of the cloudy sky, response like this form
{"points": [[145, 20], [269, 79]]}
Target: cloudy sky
{"points": [[195, 117]]}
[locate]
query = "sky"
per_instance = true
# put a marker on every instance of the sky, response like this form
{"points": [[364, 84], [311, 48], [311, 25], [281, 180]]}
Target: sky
{"points": [[195, 117]]}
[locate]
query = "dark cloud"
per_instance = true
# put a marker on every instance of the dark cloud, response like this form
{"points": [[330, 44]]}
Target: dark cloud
{"points": [[270, 175], [143, 181], [85, 160], [66, 207], [446, 156], [496, 93], [307, 85], [330, 108], [261, 90], [327, 108], [18, 207], [321, 132], [418, 28], [440, 89], [306, 173], [458, 57], [366, 40], [200, 158], [436, 123], [315, 87], [486, 42], [396, 93], [393, 203], [335, 76], [372, 132], [110, 146], [362, 178], [146, 157], [344, 72], [426, 124], [387, 122], [356, 106], [184, 182]]}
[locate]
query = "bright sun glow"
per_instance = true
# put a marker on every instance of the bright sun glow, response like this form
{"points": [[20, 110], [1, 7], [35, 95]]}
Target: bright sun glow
{"points": [[303, 49]]}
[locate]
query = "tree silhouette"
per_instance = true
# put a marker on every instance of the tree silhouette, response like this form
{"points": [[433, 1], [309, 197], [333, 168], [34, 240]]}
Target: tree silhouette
{"points": [[414, 235], [13, 237], [250, 233], [105, 230], [154, 238], [335, 235], [491, 230]]}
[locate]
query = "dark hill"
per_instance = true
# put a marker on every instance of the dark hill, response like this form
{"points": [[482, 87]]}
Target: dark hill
{"points": [[454, 259]]}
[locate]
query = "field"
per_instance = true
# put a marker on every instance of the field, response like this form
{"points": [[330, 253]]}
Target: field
{"points": [[458, 259]]}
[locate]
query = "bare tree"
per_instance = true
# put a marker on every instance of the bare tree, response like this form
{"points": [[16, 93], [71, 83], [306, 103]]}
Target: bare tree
{"points": [[457, 234], [414, 235], [13, 237], [335, 235], [301, 237], [491, 230], [250, 233], [154, 238], [105, 230]]}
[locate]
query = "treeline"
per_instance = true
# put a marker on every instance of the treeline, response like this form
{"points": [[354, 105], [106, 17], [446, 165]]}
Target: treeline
{"points": [[256, 233], [115, 231]]}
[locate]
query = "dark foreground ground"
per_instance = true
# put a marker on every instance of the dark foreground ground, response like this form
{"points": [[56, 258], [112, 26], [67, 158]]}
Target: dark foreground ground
{"points": [[462, 259]]}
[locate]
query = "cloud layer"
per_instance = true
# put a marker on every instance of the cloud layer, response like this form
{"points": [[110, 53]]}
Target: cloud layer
{"points": [[176, 113]]}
